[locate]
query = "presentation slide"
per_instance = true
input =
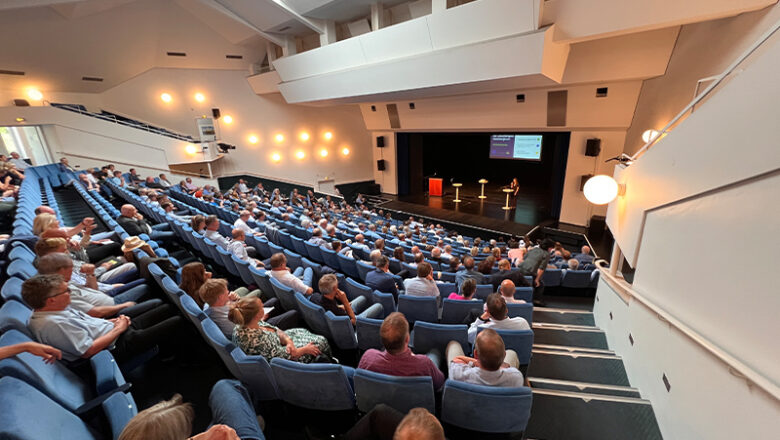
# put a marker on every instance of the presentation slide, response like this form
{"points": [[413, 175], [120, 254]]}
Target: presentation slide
{"points": [[516, 146]]}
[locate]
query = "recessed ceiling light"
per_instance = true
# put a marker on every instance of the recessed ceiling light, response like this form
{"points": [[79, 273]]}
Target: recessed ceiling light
{"points": [[166, 97]]}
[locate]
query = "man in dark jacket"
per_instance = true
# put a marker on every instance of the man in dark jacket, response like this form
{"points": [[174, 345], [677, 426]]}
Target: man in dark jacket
{"points": [[133, 222], [381, 279]]}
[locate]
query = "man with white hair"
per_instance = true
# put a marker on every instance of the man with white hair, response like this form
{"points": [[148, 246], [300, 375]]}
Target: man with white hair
{"points": [[241, 223], [15, 159], [584, 257]]}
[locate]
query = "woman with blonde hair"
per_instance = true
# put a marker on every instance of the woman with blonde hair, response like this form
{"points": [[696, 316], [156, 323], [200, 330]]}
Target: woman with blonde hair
{"points": [[233, 417], [256, 336], [194, 275]]}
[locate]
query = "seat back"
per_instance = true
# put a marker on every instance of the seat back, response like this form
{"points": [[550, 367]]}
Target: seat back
{"points": [[22, 269], [460, 399], [367, 330], [293, 260], [298, 246], [355, 290], [418, 308], [552, 277], [341, 331], [363, 269], [411, 269], [226, 259], [285, 294], [400, 393], [12, 290], [446, 288], [521, 341], [314, 252], [55, 380], [324, 387], [455, 311], [19, 401], [524, 293], [119, 409], [483, 290], [243, 270], [262, 280], [348, 266], [386, 300], [172, 291], [576, 279], [15, 315], [313, 314], [330, 258], [428, 336], [262, 247], [525, 311]]}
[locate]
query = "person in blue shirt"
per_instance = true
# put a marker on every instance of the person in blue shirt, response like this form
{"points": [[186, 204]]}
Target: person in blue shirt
{"points": [[381, 279]]}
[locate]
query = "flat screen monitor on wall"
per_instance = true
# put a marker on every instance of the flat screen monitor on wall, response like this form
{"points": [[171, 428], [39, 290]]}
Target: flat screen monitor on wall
{"points": [[516, 146]]}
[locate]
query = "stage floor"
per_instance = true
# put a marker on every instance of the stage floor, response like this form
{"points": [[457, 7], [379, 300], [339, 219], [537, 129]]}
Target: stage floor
{"points": [[529, 209]]}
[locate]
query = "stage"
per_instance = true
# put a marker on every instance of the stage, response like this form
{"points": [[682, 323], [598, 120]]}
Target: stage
{"points": [[529, 209]]}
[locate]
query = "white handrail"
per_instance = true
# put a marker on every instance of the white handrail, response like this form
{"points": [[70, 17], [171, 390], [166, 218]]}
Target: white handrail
{"points": [[751, 376], [717, 79]]}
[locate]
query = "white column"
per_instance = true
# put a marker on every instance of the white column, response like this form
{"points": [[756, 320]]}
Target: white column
{"points": [[329, 36], [270, 50], [438, 6], [377, 16], [290, 46]]}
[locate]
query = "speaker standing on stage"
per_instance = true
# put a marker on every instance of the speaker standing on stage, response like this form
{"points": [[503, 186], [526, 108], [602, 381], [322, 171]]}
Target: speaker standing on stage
{"points": [[515, 187]]}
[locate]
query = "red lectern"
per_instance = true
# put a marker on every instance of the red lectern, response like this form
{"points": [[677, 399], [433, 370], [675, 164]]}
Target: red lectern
{"points": [[434, 186]]}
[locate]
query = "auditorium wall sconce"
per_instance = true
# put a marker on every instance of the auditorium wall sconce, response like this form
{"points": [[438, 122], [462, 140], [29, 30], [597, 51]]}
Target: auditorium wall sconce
{"points": [[166, 97], [227, 119], [276, 157], [253, 139], [34, 94], [200, 97], [191, 149], [602, 189], [650, 135]]}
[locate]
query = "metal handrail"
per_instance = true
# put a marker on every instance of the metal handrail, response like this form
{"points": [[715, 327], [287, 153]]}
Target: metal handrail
{"points": [[751, 376], [717, 79]]}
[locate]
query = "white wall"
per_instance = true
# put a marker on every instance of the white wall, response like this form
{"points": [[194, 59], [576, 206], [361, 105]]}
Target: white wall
{"points": [[706, 401], [387, 179], [264, 117]]}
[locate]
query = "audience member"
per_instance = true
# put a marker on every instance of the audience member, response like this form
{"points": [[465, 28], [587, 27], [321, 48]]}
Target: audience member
{"points": [[467, 290], [534, 264], [397, 359], [334, 300], [505, 272], [468, 272], [422, 284], [491, 365], [134, 224], [300, 280], [193, 275], [496, 317], [381, 279]]}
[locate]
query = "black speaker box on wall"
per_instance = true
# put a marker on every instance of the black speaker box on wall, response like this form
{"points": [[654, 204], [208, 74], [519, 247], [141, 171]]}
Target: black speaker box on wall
{"points": [[216, 113], [593, 147], [380, 141], [21, 103], [584, 179], [380, 165]]}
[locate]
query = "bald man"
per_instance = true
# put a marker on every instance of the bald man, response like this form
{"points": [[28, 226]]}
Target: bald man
{"points": [[507, 291], [133, 222], [584, 257], [492, 364]]}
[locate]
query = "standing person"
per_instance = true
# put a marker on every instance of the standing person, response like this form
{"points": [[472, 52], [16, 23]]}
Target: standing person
{"points": [[515, 187], [533, 264]]}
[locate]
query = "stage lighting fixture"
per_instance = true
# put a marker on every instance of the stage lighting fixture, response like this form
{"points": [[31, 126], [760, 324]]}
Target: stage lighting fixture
{"points": [[225, 148], [602, 189], [35, 94]]}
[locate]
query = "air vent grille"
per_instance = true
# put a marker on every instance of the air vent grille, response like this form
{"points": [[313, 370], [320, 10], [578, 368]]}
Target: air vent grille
{"points": [[176, 54], [234, 57], [92, 78], [11, 72]]}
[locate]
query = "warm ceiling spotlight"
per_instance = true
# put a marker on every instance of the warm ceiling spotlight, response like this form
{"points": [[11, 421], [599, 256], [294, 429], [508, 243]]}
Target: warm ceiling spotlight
{"points": [[279, 137], [253, 139], [166, 97], [345, 151], [324, 152], [300, 154], [650, 135], [199, 97], [276, 157], [602, 189], [227, 119], [20, 119], [35, 94], [191, 149], [328, 136], [304, 136]]}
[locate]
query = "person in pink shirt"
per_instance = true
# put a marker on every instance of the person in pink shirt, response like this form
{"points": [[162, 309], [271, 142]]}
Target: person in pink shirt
{"points": [[467, 290]]}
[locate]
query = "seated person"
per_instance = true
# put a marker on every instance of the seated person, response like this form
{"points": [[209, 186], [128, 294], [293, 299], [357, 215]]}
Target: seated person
{"points": [[468, 271], [584, 257], [255, 336], [194, 275], [300, 280], [134, 224], [507, 291], [79, 335], [496, 317], [90, 301], [115, 270], [422, 284], [334, 300], [239, 248], [169, 209], [215, 293], [467, 290], [198, 223], [386, 423], [505, 272], [381, 279], [316, 238], [572, 264], [241, 223], [398, 359], [491, 365]]}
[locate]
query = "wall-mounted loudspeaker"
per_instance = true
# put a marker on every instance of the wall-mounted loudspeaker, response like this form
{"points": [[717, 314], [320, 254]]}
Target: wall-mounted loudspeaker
{"points": [[380, 165], [216, 113], [593, 147], [380, 141], [584, 179], [21, 103]]}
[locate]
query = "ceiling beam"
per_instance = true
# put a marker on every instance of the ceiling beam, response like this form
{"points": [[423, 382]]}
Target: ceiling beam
{"points": [[219, 5], [303, 20]]}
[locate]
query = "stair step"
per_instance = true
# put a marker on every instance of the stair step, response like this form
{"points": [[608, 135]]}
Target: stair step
{"points": [[570, 349], [602, 369], [584, 416], [570, 335], [583, 387], [563, 316]]}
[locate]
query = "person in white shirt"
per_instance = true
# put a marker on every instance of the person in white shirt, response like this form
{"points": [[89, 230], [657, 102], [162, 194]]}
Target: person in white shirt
{"points": [[492, 364], [211, 232], [238, 248], [241, 223], [496, 317], [164, 181], [282, 274], [15, 159], [168, 207], [242, 186], [507, 291], [422, 284]]}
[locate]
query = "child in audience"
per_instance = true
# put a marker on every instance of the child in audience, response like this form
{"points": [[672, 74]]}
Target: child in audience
{"points": [[215, 293]]}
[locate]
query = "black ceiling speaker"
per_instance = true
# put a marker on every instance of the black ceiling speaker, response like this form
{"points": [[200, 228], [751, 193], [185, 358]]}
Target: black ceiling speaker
{"points": [[21, 103], [593, 147], [216, 113]]}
